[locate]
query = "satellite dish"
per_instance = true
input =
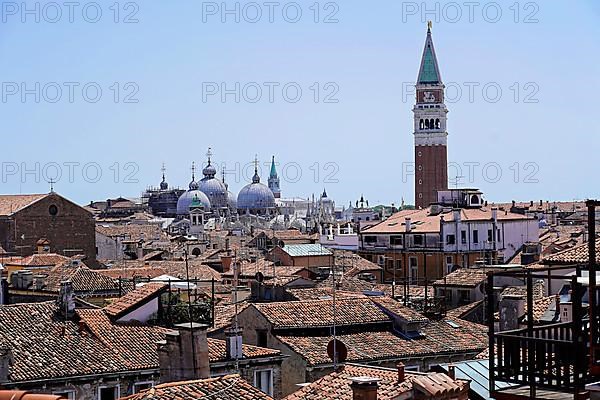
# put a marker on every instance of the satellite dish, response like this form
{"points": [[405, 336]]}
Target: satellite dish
{"points": [[340, 349], [259, 277]]}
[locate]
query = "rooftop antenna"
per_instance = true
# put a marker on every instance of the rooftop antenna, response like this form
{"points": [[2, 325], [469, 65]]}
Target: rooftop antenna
{"points": [[457, 180], [190, 313]]}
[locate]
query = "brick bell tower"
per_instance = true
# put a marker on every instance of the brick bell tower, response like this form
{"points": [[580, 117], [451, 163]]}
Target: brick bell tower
{"points": [[431, 159]]}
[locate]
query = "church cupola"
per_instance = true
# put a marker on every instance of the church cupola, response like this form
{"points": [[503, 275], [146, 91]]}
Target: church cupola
{"points": [[193, 184], [163, 184]]}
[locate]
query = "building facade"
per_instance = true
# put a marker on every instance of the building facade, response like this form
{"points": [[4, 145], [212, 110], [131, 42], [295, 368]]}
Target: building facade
{"points": [[458, 231], [67, 228]]}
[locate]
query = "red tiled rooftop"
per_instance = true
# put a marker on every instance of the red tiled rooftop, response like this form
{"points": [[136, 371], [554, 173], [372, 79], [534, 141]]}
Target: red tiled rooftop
{"points": [[336, 386], [134, 298], [10, 204], [576, 255], [319, 313], [463, 277], [229, 387]]}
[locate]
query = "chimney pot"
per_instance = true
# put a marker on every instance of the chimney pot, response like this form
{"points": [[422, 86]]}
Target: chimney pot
{"points": [[452, 371], [407, 224], [234, 344], [66, 299], [401, 376], [364, 388]]}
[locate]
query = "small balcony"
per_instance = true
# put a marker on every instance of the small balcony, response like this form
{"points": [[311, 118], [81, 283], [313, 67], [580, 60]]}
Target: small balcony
{"points": [[541, 359]]}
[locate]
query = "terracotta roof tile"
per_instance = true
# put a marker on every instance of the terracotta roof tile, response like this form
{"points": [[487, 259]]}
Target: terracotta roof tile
{"points": [[464, 277], [336, 386], [353, 263], [10, 204], [130, 273], [423, 221], [132, 231], [85, 280], [197, 269], [230, 387], [393, 306], [321, 293], [134, 298], [576, 255], [41, 260], [319, 313], [224, 315]]}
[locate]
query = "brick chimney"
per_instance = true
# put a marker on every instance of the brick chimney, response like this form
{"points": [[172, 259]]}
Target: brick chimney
{"points": [[233, 340], [364, 388], [401, 375], [226, 263], [66, 299], [6, 361], [184, 354]]}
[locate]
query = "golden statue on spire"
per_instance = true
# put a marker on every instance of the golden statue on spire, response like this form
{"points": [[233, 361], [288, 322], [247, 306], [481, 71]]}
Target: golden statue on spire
{"points": [[429, 25]]}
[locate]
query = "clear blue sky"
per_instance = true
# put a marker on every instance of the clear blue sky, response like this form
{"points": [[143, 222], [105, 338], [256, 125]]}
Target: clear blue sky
{"points": [[370, 55]]}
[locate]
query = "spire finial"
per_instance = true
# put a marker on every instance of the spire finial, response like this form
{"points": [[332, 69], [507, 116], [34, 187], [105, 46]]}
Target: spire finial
{"points": [[209, 154], [193, 170], [429, 25], [256, 178], [51, 182], [163, 169]]}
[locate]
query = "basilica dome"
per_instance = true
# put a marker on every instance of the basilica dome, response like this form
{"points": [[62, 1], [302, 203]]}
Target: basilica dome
{"points": [[255, 198], [212, 187], [185, 200], [231, 199]]}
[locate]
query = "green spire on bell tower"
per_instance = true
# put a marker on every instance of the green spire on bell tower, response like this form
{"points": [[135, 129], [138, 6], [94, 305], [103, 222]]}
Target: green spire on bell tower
{"points": [[429, 73]]}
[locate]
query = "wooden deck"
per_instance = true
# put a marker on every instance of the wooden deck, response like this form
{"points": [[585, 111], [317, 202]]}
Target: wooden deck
{"points": [[522, 392]]}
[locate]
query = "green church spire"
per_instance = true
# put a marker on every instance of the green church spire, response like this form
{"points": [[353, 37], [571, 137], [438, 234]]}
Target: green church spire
{"points": [[273, 169], [429, 73]]}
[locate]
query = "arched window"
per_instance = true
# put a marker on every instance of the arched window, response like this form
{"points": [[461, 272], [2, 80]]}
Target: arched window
{"points": [[426, 124], [431, 124], [437, 124], [421, 124]]}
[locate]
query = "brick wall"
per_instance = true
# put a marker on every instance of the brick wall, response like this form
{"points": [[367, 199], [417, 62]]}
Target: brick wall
{"points": [[71, 231]]}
